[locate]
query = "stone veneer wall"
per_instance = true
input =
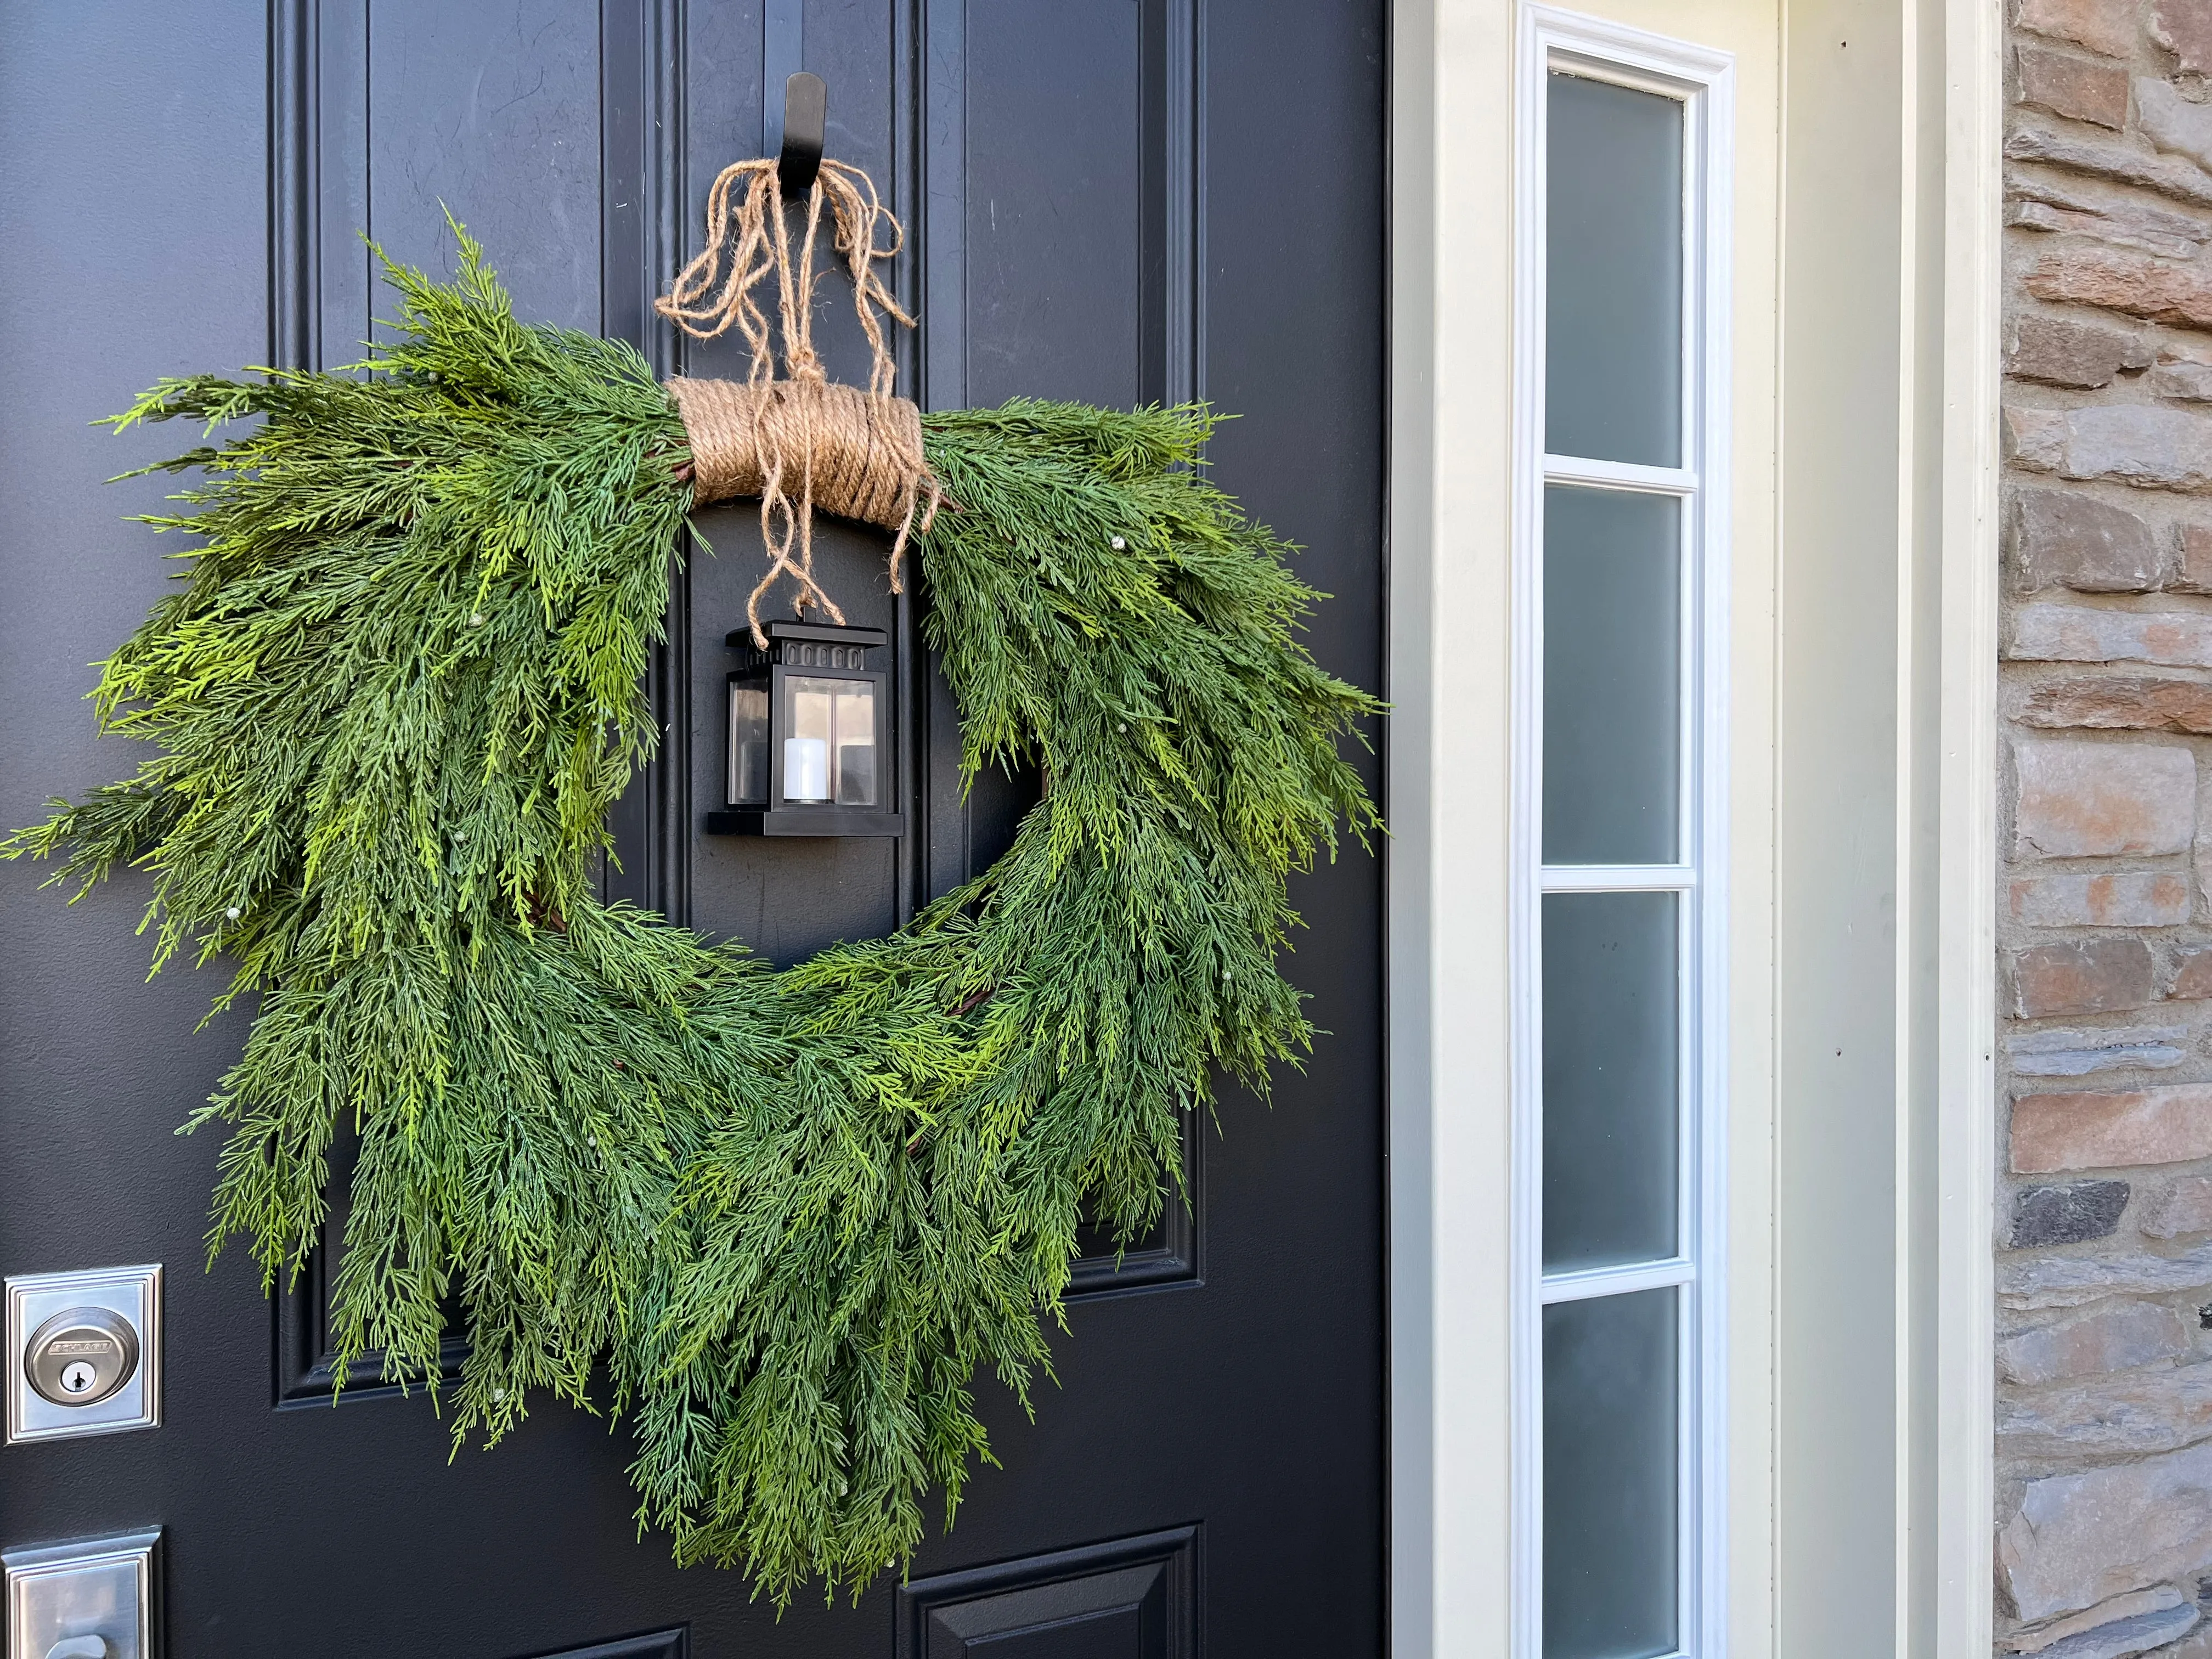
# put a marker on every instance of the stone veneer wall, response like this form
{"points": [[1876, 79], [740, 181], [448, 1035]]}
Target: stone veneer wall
{"points": [[2104, 1430]]}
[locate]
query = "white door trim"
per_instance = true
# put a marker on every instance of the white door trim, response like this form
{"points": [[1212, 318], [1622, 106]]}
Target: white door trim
{"points": [[1964, 1404]]}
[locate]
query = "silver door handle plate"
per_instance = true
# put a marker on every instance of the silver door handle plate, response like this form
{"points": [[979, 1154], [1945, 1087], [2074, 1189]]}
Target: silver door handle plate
{"points": [[87, 1600]]}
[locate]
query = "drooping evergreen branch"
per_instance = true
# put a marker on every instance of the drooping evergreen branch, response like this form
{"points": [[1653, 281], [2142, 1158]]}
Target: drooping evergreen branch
{"points": [[391, 700]]}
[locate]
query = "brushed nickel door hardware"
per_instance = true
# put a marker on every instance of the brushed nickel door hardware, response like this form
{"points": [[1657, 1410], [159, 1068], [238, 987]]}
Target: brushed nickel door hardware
{"points": [[83, 1353]]}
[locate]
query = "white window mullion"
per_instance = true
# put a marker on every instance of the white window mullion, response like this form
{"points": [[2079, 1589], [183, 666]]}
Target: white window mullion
{"points": [[1620, 475], [1616, 878], [1618, 1281]]}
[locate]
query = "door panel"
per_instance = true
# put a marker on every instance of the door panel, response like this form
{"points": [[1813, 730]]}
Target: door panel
{"points": [[1118, 200], [661, 1644], [1131, 1599]]}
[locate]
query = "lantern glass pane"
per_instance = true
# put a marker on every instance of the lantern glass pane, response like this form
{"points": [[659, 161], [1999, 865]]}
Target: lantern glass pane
{"points": [[829, 742], [748, 744]]}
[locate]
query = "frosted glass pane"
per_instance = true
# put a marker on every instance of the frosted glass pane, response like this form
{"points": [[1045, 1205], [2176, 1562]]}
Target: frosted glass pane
{"points": [[1612, 676], [1611, 1477], [1611, 1124], [1612, 328]]}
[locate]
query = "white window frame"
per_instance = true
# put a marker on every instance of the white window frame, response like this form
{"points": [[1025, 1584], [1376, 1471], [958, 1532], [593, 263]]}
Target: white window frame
{"points": [[1702, 80]]}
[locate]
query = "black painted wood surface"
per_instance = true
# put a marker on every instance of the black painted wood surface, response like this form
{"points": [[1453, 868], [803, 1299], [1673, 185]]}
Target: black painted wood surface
{"points": [[1118, 200]]}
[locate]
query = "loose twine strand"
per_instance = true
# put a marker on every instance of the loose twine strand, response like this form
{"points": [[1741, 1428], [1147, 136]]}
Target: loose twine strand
{"points": [[858, 454]]}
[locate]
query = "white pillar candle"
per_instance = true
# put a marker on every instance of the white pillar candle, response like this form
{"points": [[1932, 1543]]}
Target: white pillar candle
{"points": [[805, 769]]}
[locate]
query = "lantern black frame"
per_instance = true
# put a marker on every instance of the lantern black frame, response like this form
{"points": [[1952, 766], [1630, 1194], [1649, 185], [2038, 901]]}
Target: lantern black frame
{"points": [[812, 651]]}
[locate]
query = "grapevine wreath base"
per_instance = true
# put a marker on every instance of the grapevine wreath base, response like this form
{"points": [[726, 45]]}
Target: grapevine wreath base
{"points": [[391, 699]]}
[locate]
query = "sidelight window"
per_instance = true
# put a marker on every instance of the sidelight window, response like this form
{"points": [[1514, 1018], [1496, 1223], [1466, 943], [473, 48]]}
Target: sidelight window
{"points": [[1618, 932]]}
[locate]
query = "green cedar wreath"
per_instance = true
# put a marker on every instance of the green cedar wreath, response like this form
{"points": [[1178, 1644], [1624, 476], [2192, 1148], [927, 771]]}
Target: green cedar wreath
{"points": [[391, 700]]}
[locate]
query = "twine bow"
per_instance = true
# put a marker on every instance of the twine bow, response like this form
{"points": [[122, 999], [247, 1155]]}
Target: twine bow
{"points": [[856, 453]]}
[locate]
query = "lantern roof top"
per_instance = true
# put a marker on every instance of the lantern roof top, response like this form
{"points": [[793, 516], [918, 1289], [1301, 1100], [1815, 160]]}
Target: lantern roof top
{"points": [[812, 634]]}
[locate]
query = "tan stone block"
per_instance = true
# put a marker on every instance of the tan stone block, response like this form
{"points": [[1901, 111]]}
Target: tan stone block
{"points": [[2173, 122], [2040, 216], [2140, 284], [2075, 633], [2092, 208], [2105, 25], [2189, 383], [2076, 1051], [2195, 575], [2192, 975], [2134, 898], [2067, 85], [2146, 445], [2065, 351], [2182, 1209], [2133, 1414], [2104, 800], [2123, 1638], [2170, 1124], [2089, 977], [2036, 1284], [2184, 28], [2089, 545], [2077, 1539], [2121, 702], [2116, 1339], [2165, 1599], [2169, 175]]}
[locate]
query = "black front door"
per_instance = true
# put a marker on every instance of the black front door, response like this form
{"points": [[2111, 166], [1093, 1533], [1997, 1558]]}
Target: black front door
{"points": [[1121, 201]]}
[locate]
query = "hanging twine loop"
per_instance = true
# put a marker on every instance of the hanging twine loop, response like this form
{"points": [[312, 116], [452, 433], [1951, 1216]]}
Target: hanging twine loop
{"points": [[799, 442]]}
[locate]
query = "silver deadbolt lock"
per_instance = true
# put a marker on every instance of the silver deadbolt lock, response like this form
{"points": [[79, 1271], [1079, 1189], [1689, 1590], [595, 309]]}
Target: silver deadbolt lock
{"points": [[82, 1356], [84, 1353]]}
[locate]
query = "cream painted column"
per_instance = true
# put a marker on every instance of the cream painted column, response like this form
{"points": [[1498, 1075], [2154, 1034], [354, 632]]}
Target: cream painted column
{"points": [[1448, 759]]}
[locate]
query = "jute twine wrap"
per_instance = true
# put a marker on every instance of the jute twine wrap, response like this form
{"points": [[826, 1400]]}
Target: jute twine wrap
{"points": [[856, 453]]}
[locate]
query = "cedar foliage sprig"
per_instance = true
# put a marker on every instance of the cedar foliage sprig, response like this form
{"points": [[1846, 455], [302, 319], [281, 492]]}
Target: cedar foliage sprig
{"points": [[391, 699]]}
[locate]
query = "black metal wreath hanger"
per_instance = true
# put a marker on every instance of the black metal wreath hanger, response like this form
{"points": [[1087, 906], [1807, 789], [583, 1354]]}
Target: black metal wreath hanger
{"points": [[806, 124]]}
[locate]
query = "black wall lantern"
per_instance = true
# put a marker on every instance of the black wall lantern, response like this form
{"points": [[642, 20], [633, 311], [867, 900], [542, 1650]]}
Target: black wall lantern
{"points": [[810, 736]]}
